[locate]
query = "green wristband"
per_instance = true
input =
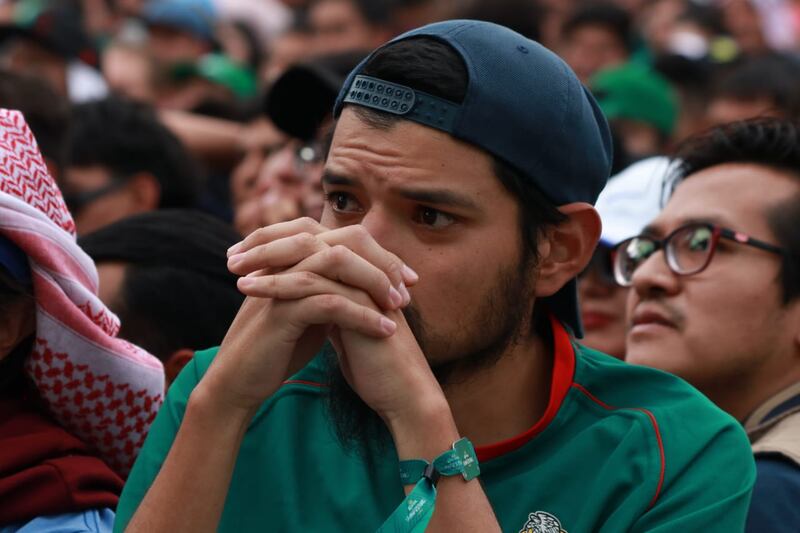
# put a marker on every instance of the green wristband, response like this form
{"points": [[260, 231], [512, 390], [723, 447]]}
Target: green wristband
{"points": [[416, 510]]}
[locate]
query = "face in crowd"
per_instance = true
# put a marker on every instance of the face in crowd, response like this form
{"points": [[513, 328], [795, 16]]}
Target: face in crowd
{"points": [[278, 181], [438, 205], [708, 300], [602, 305]]}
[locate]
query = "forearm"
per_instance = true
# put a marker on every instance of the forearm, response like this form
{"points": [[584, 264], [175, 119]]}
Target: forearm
{"points": [[211, 139], [460, 505], [190, 490]]}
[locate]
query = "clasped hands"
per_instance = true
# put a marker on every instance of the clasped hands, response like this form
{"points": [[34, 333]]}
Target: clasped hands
{"points": [[305, 284]]}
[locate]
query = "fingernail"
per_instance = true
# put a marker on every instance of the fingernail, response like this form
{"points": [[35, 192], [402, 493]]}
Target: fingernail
{"points": [[235, 248], [245, 283], [233, 261], [409, 274], [405, 293], [388, 326], [395, 297]]}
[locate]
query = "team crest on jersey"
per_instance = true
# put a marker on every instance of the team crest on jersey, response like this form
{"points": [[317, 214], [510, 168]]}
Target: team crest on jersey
{"points": [[541, 522]]}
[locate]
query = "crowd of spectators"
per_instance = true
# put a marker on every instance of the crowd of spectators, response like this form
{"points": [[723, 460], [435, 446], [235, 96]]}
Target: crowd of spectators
{"points": [[145, 144]]}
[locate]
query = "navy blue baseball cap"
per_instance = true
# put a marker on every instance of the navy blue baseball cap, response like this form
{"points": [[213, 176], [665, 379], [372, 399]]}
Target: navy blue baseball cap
{"points": [[523, 105]]}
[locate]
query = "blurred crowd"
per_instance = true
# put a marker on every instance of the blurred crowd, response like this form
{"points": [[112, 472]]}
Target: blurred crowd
{"points": [[172, 129]]}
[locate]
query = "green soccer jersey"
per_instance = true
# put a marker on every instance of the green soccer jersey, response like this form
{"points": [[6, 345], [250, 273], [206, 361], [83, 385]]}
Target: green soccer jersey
{"points": [[619, 448]]}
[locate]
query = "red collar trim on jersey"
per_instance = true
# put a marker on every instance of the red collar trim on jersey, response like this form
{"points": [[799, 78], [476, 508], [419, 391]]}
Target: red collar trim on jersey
{"points": [[563, 371]]}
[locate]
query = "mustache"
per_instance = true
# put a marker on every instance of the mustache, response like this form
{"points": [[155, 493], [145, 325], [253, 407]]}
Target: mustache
{"points": [[662, 307]]}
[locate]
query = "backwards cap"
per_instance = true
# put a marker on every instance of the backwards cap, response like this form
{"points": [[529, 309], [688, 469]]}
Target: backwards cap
{"points": [[523, 105]]}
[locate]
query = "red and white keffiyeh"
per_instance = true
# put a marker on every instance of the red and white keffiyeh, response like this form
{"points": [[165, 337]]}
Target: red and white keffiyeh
{"points": [[102, 389]]}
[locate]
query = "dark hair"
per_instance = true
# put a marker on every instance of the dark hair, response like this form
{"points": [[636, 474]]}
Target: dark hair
{"points": [[708, 17], [126, 137], [607, 15], [178, 292], [773, 143], [522, 16], [45, 111], [434, 67], [774, 77]]}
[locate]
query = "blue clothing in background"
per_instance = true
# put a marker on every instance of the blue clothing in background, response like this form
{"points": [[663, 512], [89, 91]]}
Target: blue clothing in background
{"points": [[91, 521]]}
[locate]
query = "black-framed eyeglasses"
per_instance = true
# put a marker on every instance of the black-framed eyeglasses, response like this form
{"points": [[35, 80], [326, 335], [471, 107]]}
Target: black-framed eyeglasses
{"points": [[78, 200], [687, 250]]}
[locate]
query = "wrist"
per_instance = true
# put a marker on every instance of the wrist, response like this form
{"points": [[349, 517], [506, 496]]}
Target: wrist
{"points": [[206, 403], [425, 431]]}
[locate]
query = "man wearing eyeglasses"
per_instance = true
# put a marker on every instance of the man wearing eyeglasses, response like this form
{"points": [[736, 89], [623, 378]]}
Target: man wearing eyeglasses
{"points": [[716, 295]]}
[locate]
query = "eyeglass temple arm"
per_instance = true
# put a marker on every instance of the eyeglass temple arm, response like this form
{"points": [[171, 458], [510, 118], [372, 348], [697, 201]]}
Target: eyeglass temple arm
{"points": [[750, 241]]}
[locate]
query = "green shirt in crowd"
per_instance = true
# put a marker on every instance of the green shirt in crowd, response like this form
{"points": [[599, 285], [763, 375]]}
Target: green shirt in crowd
{"points": [[619, 448]]}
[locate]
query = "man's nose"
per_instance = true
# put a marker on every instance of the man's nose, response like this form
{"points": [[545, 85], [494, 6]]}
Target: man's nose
{"points": [[653, 276], [378, 223]]}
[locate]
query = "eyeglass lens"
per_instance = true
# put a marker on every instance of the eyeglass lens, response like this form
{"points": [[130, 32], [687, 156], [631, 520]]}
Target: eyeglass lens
{"points": [[688, 251]]}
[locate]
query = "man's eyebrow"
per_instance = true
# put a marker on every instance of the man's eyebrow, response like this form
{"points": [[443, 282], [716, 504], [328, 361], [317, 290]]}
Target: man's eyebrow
{"points": [[441, 197], [655, 231], [717, 221], [651, 231], [330, 178]]}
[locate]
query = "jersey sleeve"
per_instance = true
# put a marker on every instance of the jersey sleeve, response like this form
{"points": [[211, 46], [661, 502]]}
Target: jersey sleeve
{"points": [[159, 439], [775, 497], [708, 478]]}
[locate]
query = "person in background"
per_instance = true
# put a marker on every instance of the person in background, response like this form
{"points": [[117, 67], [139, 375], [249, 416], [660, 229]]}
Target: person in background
{"points": [[596, 36], [46, 112], [164, 274], [640, 106], [522, 16], [179, 31], [347, 25], [123, 161], [287, 183], [691, 80], [743, 18], [410, 14], [631, 199], [130, 71], [48, 41], [715, 295], [75, 401], [765, 85]]}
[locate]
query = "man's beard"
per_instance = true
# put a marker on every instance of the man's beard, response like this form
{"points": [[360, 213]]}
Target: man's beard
{"points": [[503, 319]]}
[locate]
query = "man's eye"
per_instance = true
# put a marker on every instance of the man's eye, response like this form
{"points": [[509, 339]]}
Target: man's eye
{"points": [[343, 202], [433, 218]]}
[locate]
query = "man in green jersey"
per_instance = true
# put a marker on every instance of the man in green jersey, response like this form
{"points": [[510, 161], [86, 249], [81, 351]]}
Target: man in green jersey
{"points": [[458, 212]]}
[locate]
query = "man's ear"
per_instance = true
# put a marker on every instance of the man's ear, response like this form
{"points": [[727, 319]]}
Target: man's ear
{"points": [[145, 192], [565, 249], [175, 363]]}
